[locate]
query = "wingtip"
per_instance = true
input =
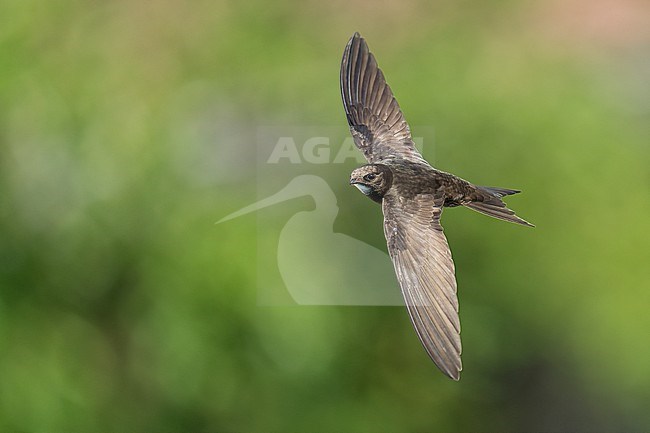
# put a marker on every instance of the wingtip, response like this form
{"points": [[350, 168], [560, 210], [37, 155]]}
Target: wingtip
{"points": [[522, 222], [356, 36], [525, 223], [453, 375]]}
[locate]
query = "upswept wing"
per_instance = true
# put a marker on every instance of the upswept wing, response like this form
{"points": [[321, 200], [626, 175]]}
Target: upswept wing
{"points": [[376, 121], [425, 271]]}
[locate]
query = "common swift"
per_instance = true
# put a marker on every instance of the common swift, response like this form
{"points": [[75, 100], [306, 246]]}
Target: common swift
{"points": [[412, 194]]}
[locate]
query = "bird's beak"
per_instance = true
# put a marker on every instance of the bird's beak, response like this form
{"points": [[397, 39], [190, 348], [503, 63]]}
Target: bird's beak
{"points": [[361, 186]]}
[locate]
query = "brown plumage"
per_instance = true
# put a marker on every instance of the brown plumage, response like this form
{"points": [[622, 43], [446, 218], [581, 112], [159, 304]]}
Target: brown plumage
{"points": [[412, 194]]}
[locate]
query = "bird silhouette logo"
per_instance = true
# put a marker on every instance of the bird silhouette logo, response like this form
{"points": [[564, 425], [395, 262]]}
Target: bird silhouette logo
{"points": [[319, 266]]}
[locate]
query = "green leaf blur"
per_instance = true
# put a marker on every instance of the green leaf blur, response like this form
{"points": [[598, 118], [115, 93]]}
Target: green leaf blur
{"points": [[128, 128]]}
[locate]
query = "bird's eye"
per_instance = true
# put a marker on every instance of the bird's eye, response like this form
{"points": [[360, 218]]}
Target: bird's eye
{"points": [[369, 177]]}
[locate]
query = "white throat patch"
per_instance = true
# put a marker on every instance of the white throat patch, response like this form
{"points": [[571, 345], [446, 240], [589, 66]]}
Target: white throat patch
{"points": [[363, 188]]}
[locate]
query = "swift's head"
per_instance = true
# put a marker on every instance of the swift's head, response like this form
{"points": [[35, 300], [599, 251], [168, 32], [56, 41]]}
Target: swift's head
{"points": [[374, 180]]}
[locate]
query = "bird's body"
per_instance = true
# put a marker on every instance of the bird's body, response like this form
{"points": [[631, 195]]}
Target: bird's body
{"points": [[412, 194]]}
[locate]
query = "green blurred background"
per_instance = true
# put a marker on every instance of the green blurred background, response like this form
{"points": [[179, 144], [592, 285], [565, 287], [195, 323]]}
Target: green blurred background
{"points": [[127, 128]]}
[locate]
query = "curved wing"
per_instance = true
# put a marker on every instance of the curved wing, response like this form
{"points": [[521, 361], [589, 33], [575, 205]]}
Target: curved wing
{"points": [[376, 121], [425, 271]]}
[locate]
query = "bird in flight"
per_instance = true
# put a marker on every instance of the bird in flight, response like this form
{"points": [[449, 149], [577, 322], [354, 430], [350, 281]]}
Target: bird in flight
{"points": [[412, 194]]}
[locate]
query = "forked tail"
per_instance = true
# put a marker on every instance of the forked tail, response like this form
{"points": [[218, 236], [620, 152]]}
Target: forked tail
{"points": [[487, 200]]}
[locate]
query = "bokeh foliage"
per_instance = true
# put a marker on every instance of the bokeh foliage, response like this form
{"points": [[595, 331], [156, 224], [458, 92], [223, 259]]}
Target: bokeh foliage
{"points": [[128, 128]]}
